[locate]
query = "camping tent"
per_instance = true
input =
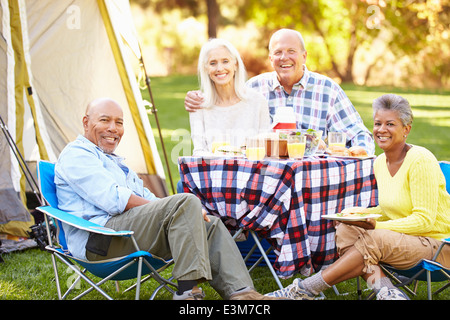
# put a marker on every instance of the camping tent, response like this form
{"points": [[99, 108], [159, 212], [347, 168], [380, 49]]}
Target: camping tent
{"points": [[56, 57]]}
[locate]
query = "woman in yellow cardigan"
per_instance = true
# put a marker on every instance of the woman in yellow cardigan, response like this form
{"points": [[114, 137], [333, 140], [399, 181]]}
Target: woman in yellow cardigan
{"points": [[414, 205]]}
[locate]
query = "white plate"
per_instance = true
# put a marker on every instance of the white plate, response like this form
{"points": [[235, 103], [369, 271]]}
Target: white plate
{"points": [[218, 156], [350, 218], [350, 157]]}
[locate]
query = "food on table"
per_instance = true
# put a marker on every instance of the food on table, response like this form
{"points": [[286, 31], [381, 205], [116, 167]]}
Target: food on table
{"points": [[353, 211], [338, 151], [217, 144], [356, 151], [229, 150]]}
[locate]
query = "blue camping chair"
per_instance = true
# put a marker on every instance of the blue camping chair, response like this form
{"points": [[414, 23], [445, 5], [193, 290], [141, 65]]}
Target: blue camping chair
{"points": [[425, 270], [132, 266], [445, 167]]}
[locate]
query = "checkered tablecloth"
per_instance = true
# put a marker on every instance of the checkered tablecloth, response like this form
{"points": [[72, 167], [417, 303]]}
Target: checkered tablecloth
{"points": [[283, 201]]}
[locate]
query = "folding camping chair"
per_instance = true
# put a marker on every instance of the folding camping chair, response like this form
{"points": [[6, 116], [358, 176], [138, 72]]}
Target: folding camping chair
{"points": [[425, 270], [264, 253], [134, 265]]}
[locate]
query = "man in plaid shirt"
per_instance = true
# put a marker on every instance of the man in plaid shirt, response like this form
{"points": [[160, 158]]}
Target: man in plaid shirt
{"points": [[318, 102]]}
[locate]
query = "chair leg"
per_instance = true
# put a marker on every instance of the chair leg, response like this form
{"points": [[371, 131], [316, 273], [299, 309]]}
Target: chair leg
{"points": [[162, 285], [398, 282], [266, 259], [263, 255], [154, 274], [55, 270], [358, 288], [139, 275], [442, 288]]}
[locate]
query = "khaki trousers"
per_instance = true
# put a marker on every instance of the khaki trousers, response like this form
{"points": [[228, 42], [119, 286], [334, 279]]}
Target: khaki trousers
{"points": [[399, 250], [173, 227]]}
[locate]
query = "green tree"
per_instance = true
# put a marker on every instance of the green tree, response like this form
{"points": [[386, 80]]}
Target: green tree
{"points": [[336, 29], [191, 7]]}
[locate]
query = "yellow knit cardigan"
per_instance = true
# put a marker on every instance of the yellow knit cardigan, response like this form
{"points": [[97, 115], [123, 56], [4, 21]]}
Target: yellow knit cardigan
{"points": [[414, 201]]}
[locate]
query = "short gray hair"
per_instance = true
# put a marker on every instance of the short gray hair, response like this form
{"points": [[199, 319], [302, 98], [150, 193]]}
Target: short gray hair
{"points": [[395, 103]]}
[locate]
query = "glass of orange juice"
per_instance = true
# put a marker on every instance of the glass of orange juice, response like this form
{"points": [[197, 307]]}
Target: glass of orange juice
{"points": [[255, 149], [337, 139], [296, 146]]}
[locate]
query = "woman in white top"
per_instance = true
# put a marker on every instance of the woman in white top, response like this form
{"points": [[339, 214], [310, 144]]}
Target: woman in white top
{"points": [[230, 109]]}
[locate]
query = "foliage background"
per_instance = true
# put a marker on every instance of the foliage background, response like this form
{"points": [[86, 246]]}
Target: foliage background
{"points": [[402, 43]]}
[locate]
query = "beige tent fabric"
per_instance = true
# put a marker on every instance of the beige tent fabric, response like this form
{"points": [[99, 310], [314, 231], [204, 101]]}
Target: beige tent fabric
{"points": [[12, 209], [68, 60]]}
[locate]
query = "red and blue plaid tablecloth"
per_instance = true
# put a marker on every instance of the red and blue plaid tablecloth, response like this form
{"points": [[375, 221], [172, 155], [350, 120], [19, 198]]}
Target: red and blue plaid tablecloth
{"points": [[283, 201]]}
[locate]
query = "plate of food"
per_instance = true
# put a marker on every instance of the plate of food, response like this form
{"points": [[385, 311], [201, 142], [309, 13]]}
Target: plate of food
{"points": [[229, 151], [352, 214], [355, 152], [225, 151], [353, 157]]}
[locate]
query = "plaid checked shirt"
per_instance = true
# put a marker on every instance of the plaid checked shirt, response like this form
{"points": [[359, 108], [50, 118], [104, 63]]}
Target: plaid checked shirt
{"points": [[319, 103]]}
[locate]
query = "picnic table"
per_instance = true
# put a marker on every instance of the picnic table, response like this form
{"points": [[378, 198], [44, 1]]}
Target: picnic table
{"points": [[283, 201]]}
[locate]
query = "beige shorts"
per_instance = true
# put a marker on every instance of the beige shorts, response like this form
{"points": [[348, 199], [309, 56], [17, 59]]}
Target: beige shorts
{"points": [[399, 250]]}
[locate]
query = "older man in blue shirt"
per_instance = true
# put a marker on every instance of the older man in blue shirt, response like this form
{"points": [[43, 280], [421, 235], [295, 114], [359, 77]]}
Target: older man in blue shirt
{"points": [[95, 184]]}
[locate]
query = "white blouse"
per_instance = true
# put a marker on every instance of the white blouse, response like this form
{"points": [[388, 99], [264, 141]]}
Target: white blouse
{"points": [[237, 122]]}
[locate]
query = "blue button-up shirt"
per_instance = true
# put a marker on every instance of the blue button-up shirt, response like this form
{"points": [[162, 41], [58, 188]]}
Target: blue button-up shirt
{"points": [[94, 186], [319, 103]]}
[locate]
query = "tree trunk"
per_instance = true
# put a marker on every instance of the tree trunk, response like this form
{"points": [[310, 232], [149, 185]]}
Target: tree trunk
{"points": [[327, 47], [213, 17], [348, 75]]}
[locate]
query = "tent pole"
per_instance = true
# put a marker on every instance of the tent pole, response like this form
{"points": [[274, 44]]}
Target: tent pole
{"points": [[154, 111], [20, 160]]}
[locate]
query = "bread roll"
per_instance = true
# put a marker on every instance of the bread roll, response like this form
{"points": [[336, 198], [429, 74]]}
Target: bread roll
{"points": [[357, 151], [338, 151]]}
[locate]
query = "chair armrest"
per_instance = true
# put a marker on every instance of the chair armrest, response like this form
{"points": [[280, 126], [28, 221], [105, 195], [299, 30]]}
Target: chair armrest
{"points": [[431, 265], [444, 243], [81, 223]]}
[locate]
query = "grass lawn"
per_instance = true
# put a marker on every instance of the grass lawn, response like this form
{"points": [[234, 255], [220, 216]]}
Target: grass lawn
{"points": [[28, 275]]}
